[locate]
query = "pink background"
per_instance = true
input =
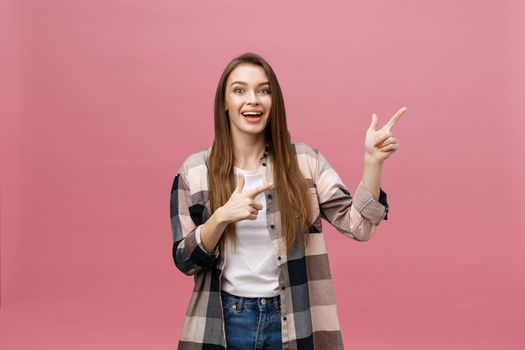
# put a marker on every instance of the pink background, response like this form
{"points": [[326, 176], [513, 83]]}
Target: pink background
{"points": [[101, 101]]}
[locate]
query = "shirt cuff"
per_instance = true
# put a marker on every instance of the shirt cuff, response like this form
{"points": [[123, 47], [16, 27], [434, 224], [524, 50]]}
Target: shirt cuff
{"points": [[370, 208], [199, 243]]}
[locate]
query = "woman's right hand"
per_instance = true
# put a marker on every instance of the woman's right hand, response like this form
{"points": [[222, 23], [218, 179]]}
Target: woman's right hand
{"points": [[242, 206]]}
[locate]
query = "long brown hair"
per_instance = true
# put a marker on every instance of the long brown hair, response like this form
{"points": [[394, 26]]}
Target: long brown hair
{"points": [[293, 196]]}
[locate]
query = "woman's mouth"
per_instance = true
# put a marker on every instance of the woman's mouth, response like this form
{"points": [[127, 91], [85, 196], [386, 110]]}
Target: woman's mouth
{"points": [[252, 117]]}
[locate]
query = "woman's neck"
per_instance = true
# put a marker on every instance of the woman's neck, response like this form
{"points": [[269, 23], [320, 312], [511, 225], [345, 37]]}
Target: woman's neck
{"points": [[247, 153]]}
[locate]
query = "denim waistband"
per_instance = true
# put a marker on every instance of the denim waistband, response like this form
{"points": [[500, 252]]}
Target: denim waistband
{"points": [[246, 302]]}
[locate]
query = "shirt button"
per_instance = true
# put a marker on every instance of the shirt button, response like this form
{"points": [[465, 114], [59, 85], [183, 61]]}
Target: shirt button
{"points": [[272, 226], [263, 301], [270, 196], [264, 164], [278, 258], [282, 288], [284, 318]]}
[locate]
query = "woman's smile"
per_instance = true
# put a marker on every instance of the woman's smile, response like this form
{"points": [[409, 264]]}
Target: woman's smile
{"points": [[252, 118]]}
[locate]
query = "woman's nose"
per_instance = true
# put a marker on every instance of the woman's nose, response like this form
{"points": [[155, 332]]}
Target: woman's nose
{"points": [[252, 97]]}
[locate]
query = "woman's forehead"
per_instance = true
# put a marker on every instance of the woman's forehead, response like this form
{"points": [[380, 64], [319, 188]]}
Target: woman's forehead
{"points": [[248, 74]]}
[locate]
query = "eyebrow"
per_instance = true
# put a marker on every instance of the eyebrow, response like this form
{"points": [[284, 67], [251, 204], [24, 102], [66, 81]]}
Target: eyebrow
{"points": [[243, 83]]}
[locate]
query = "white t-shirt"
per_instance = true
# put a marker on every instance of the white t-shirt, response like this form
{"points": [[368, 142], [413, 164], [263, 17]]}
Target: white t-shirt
{"points": [[251, 270]]}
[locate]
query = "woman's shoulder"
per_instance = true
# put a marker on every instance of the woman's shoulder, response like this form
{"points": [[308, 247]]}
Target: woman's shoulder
{"points": [[303, 148], [194, 161], [306, 157]]}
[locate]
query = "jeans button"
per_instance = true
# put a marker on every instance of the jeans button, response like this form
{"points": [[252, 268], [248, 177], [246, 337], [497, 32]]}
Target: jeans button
{"points": [[263, 301]]}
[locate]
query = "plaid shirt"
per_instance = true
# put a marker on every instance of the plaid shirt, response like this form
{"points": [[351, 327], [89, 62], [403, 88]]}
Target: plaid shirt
{"points": [[308, 306]]}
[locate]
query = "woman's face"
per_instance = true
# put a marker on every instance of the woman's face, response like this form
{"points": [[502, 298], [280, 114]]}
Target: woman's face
{"points": [[248, 90]]}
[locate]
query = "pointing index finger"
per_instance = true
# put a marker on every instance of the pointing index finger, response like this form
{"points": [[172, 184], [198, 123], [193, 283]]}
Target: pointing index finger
{"points": [[261, 189], [395, 118]]}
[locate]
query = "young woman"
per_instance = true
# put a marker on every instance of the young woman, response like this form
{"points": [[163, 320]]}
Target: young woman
{"points": [[246, 221]]}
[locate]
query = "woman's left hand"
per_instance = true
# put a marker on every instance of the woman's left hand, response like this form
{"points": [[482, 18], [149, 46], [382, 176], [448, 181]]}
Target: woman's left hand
{"points": [[380, 144]]}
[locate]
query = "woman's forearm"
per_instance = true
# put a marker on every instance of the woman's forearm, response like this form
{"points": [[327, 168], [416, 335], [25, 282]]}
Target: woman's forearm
{"points": [[372, 175], [212, 230]]}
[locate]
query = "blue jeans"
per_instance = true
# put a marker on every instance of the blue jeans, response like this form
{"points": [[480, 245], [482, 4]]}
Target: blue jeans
{"points": [[252, 323]]}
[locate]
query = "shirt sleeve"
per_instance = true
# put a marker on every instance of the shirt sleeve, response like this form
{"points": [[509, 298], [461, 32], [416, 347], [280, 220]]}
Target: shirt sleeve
{"points": [[188, 252], [355, 216]]}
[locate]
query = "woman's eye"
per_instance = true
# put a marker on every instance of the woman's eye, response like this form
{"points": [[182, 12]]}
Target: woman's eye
{"points": [[267, 91]]}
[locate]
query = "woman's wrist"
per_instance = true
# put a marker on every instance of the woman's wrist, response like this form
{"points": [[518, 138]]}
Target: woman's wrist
{"points": [[220, 216], [371, 161]]}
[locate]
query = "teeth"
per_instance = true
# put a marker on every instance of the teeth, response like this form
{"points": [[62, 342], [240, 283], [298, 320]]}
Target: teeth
{"points": [[252, 113]]}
